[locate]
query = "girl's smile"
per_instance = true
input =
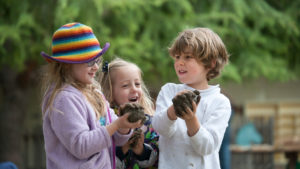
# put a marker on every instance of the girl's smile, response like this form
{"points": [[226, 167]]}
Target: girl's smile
{"points": [[126, 85]]}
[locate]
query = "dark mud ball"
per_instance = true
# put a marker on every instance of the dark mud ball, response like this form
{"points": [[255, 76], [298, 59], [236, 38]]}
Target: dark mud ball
{"points": [[135, 137], [136, 112], [181, 102], [196, 96], [190, 97]]}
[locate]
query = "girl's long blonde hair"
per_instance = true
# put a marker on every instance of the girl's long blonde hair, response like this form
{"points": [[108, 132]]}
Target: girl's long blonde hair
{"points": [[57, 75], [106, 83]]}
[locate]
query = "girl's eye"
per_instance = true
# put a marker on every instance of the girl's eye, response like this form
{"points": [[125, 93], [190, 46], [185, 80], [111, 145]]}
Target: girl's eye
{"points": [[188, 57], [177, 57], [125, 85], [138, 84]]}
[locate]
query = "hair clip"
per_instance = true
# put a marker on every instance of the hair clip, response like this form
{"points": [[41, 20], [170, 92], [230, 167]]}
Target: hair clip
{"points": [[105, 67]]}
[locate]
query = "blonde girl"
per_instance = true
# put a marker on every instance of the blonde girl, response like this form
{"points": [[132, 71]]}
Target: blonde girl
{"points": [[122, 83], [73, 105]]}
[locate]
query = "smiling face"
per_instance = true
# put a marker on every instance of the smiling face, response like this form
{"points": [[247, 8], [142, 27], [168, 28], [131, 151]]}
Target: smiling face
{"points": [[189, 71], [84, 73], [126, 85]]}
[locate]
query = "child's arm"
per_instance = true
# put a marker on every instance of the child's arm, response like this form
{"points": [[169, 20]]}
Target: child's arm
{"points": [[120, 128], [164, 120], [171, 113], [185, 106], [146, 149], [69, 121], [191, 121], [122, 125], [209, 137]]}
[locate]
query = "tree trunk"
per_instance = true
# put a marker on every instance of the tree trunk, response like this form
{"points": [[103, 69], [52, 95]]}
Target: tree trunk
{"points": [[19, 112]]}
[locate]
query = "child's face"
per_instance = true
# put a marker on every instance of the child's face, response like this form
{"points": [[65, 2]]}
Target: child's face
{"points": [[84, 72], [126, 85], [189, 71]]}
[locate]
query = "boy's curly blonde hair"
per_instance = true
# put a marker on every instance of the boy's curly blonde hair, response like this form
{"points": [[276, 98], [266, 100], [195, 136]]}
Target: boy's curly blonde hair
{"points": [[206, 46]]}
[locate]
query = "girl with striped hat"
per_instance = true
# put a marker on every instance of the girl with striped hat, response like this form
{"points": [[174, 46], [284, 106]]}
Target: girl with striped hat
{"points": [[80, 130]]}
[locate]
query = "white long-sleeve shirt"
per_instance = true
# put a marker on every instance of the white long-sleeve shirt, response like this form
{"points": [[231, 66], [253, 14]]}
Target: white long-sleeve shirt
{"points": [[177, 149]]}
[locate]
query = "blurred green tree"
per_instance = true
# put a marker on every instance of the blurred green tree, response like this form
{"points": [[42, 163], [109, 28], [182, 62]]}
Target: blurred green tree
{"points": [[261, 36]]}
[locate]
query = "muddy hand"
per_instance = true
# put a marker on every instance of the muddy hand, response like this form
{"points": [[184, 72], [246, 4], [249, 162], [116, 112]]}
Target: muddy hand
{"points": [[192, 97], [180, 102], [185, 100], [135, 137]]}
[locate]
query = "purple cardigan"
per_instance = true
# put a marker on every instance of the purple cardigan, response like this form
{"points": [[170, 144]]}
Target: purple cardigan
{"points": [[74, 138]]}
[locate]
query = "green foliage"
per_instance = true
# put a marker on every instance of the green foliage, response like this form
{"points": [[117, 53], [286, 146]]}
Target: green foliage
{"points": [[261, 36]]}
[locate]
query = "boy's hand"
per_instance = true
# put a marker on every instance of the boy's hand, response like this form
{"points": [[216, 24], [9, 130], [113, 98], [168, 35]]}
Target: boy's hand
{"points": [[136, 112], [189, 114], [183, 102]]}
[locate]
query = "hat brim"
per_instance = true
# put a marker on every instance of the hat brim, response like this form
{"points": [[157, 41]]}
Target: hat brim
{"points": [[49, 58]]}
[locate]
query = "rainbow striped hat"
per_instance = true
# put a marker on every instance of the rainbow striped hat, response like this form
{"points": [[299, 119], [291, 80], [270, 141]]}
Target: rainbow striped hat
{"points": [[75, 43]]}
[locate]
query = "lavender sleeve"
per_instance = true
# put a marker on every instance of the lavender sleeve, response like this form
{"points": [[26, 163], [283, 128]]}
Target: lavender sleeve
{"points": [[120, 139], [76, 126]]}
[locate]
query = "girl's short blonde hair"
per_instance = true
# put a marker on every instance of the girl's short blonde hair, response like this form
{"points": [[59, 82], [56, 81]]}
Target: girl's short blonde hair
{"points": [[105, 80], [207, 47]]}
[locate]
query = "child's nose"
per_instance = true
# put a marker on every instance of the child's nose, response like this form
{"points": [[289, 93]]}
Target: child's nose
{"points": [[134, 89], [181, 62], [95, 66]]}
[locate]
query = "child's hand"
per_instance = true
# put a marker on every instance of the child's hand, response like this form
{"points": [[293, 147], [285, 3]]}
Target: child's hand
{"points": [[125, 147], [137, 134], [183, 102], [189, 114], [171, 113], [124, 125], [137, 141]]}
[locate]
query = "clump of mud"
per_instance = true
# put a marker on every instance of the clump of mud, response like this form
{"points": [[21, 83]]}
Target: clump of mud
{"points": [[183, 101], [136, 112]]}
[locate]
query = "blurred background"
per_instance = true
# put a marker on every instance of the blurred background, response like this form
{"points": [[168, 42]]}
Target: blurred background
{"points": [[261, 80]]}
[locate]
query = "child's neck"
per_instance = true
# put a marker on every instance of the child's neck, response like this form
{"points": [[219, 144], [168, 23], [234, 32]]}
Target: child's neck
{"points": [[199, 87]]}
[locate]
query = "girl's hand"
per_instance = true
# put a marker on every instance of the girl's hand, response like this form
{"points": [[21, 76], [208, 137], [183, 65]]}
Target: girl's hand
{"points": [[126, 147], [124, 125], [139, 147]]}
